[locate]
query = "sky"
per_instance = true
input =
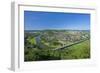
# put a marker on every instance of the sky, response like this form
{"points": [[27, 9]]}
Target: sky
{"points": [[36, 20]]}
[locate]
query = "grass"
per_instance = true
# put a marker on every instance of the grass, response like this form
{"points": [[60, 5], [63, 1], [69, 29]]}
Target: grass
{"points": [[78, 51]]}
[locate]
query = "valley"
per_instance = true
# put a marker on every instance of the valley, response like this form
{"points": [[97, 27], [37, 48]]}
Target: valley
{"points": [[56, 44]]}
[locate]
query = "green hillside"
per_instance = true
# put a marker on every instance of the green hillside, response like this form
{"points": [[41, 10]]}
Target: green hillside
{"points": [[78, 51]]}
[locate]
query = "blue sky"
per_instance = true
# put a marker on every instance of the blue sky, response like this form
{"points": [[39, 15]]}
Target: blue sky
{"points": [[34, 20]]}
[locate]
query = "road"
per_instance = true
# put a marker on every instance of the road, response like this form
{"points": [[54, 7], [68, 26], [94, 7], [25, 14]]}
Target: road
{"points": [[70, 45]]}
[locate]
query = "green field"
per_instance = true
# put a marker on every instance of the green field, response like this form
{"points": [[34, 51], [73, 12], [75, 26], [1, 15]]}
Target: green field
{"points": [[78, 51]]}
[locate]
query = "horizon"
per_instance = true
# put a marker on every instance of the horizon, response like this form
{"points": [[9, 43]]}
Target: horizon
{"points": [[38, 20], [56, 29]]}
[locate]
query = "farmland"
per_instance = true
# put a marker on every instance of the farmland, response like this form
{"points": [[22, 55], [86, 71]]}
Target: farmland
{"points": [[40, 45]]}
